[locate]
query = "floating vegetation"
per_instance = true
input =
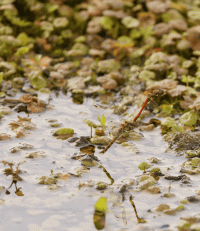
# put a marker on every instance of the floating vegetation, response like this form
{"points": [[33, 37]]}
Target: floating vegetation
{"points": [[48, 180], [21, 126], [191, 166], [4, 136], [64, 133], [103, 140], [89, 161], [90, 149], [78, 171], [11, 171], [146, 181], [101, 185], [36, 155]]}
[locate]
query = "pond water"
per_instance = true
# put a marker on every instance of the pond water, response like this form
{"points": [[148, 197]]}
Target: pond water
{"points": [[65, 205]]}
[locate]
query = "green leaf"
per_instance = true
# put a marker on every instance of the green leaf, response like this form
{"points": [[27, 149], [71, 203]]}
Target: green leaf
{"points": [[103, 120], [147, 31], [126, 40], [189, 118], [130, 22], [191, 91], [23, 37], [106, 22], [19, 22], [80, 39], [60, 22], [177, 128], [6, 2], [167, 109], [101, 205], [188, 79], [22, 51], [80, 47], [169, 122], [2, 94], [155, 170], [191, 153], [1, 76], [63, 131], [51, 7], [104, 140], [195, 162], [38, 82], [99, 119], [135, 34], [146, 75], [89, 123], [143, 166]]}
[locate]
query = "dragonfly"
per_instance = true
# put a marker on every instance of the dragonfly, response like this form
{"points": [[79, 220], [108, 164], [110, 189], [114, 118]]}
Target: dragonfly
{"points": [[151, 96]]}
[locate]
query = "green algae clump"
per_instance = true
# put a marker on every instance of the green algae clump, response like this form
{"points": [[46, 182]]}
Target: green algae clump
{"points": [[64, 131]]}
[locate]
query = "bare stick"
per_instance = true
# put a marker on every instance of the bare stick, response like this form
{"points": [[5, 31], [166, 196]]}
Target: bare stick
{"points": [[140, 220], [150, 97]]}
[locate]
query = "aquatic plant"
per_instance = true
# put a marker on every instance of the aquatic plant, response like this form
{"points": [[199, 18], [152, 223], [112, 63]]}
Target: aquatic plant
{"points": [[143, 166], [64, 133], [11, 171], [102, 121], [91, 124]]}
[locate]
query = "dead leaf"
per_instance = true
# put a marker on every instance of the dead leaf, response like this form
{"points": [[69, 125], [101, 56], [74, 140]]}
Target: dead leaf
{"points": [[14, 125], [26, 98], [35, 108], [62, 176], [21, 119], [45, 61]]}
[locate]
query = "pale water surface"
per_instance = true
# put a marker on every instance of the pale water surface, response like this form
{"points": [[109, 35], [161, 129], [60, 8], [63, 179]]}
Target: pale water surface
{"points": [[71, 208]]}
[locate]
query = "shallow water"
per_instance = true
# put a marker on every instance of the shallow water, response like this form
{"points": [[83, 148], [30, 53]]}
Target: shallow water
{"points": [[69, 207]]}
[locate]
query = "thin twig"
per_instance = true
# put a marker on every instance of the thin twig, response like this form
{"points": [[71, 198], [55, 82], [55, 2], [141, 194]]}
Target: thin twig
{"points": [[139, 220], [127, 124]]}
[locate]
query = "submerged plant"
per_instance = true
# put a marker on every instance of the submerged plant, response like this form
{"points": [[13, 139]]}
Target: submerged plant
{"points": [[169, 194]]}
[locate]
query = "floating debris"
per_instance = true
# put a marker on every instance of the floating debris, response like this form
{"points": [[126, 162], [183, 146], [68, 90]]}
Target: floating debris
{"points": [[4, 136], [64, 133], [48, 180], [36, 155]]}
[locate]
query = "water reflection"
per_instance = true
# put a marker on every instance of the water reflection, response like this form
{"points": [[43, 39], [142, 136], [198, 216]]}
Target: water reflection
{"points": [[99, 220], [107, 174], [99, 217], [139, 220], [18, 191]]}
